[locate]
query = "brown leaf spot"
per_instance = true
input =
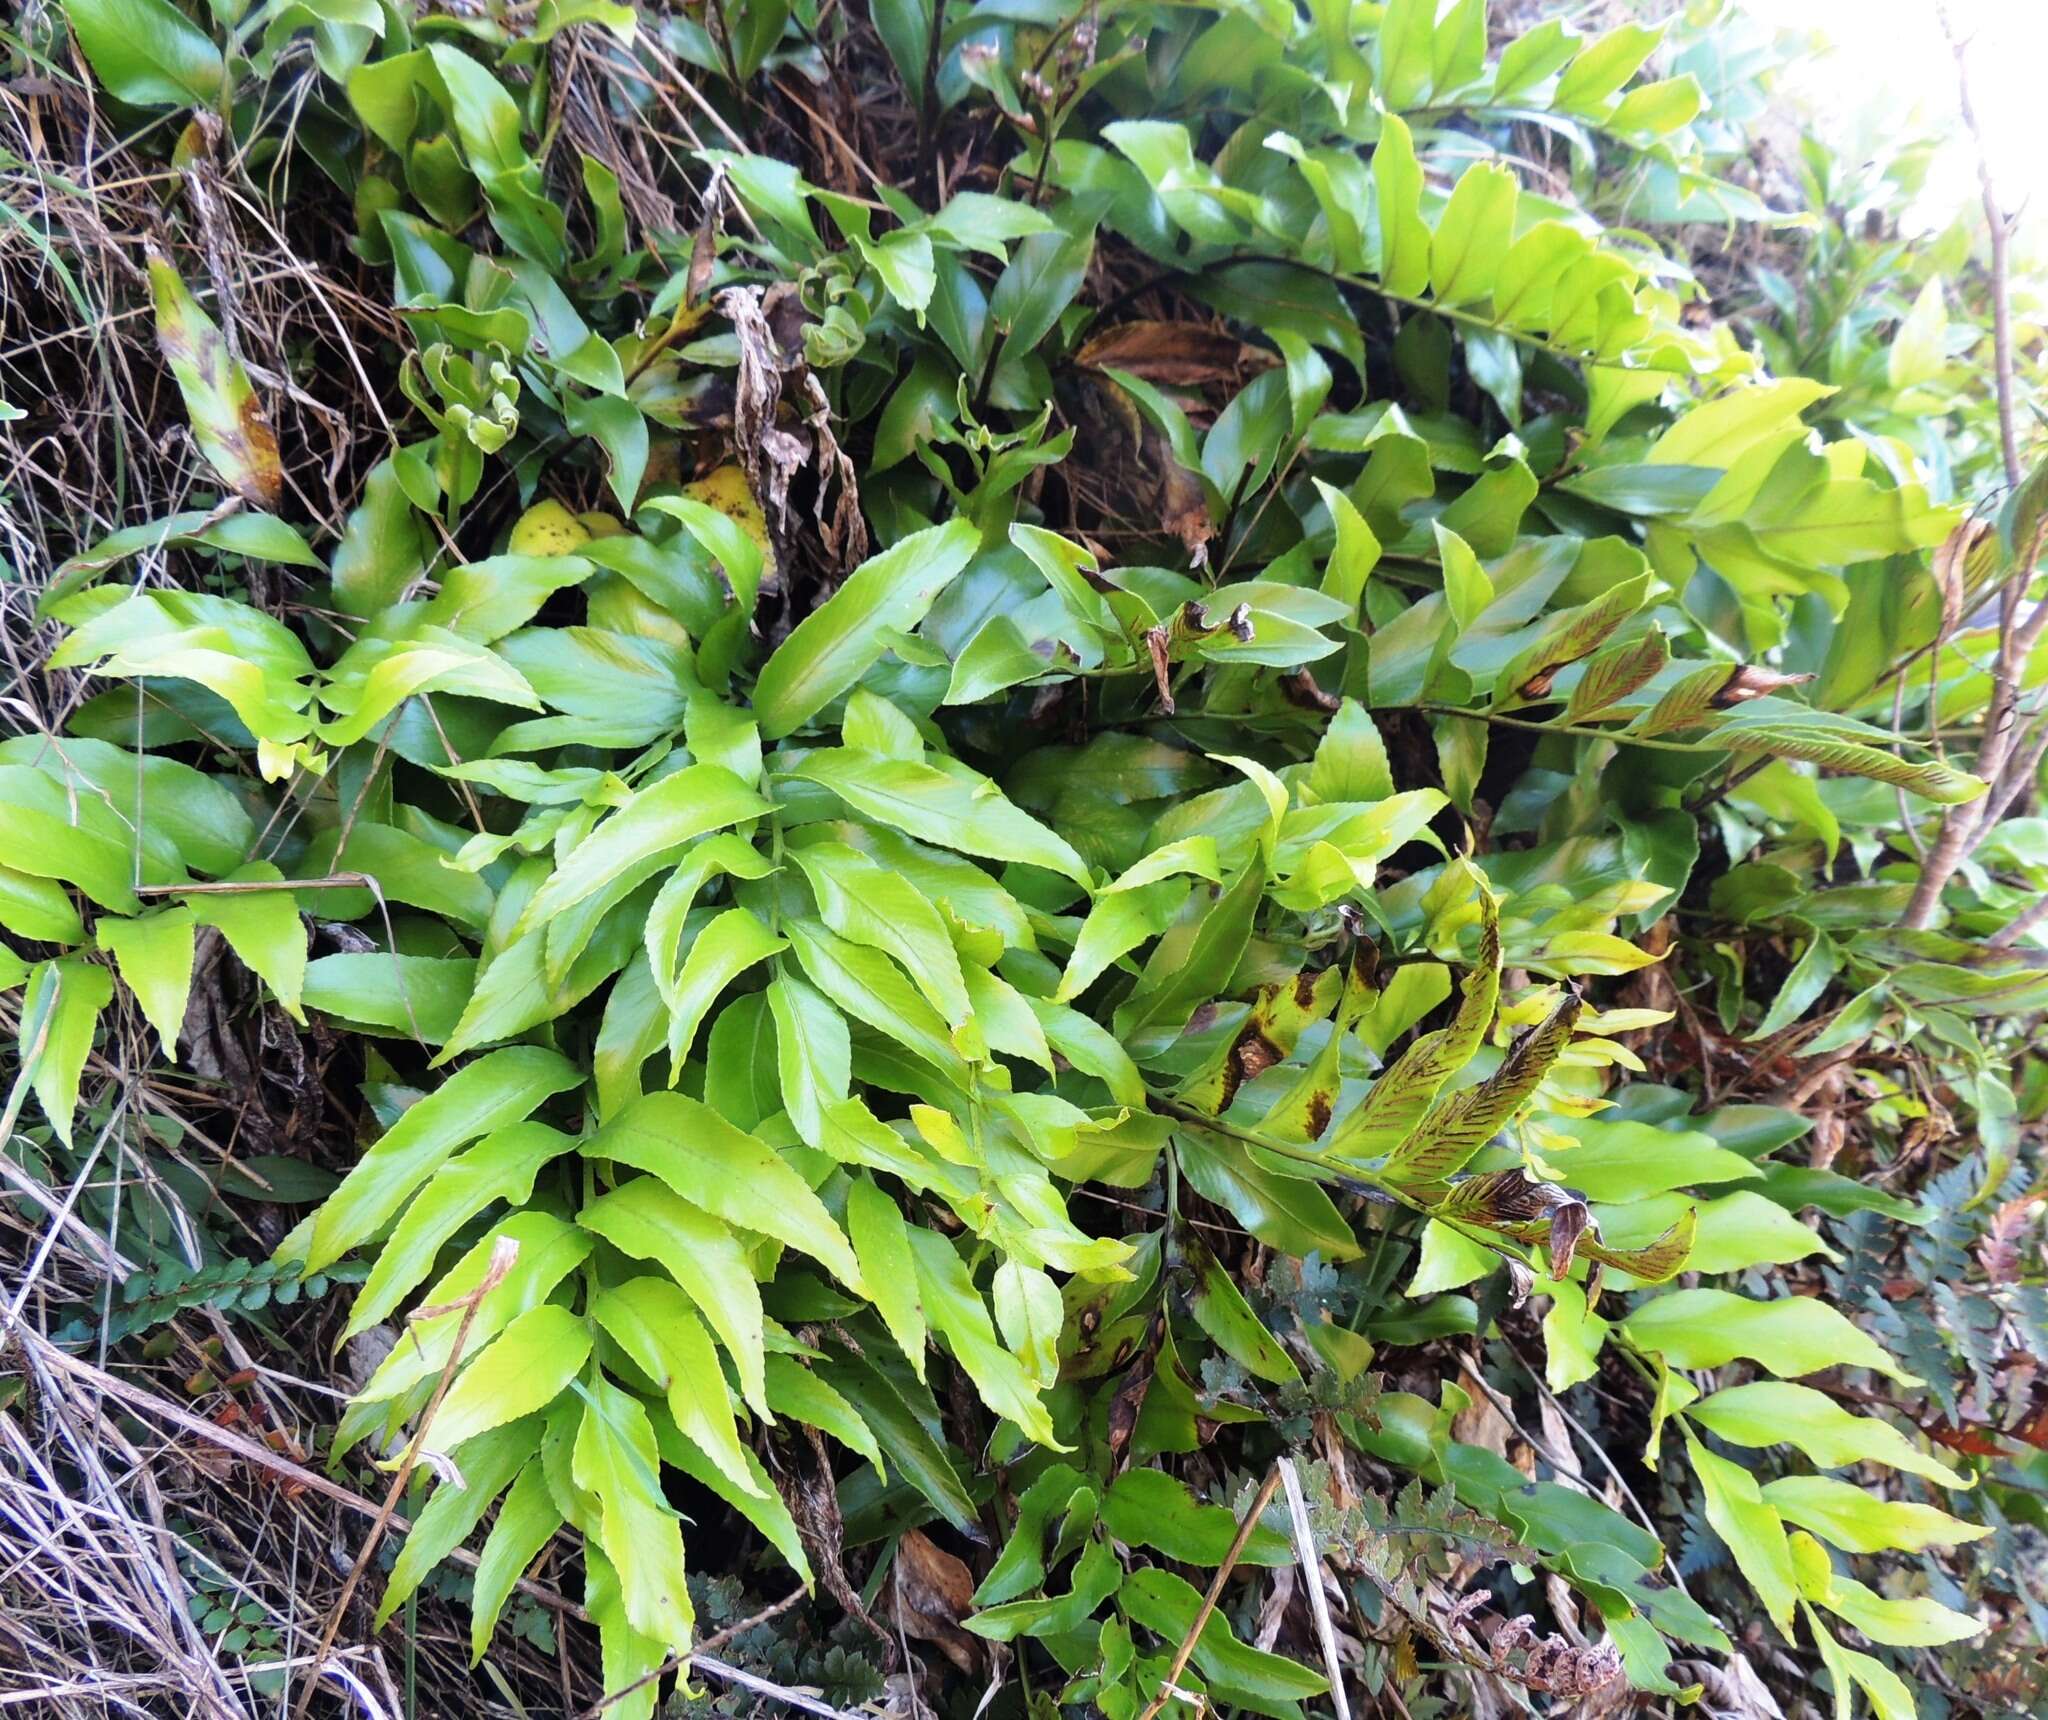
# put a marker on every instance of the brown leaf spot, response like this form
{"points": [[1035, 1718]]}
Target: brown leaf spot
{"points": [[1174, 355], [1130, 1396]]}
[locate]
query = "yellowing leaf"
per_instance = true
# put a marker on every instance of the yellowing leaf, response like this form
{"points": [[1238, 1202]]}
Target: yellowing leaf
{"points": [[547, 528], [227, 420], [525, 1368]]}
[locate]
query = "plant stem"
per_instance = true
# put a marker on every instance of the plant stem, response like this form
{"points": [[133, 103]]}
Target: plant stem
{"points": [[1618, 736], [928, 101]]}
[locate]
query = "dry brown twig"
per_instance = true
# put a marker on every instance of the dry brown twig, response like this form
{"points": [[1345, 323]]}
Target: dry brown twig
{"points": [[1170, 1686], [503, 1256]]}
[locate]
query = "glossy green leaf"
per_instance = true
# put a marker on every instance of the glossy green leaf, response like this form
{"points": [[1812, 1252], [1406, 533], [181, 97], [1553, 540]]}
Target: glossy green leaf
{"points": [[844, 637], [488, 1094], [952, 808], [147, 51]]}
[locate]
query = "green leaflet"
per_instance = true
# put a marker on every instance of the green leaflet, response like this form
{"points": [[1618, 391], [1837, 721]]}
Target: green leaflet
{"points": [[1284, 1211], [502, 1166], [33, 907], [1220, 1310], [647, 1220], [1751, 1531], [501, 1088], [58, 1012], [758, 1503], [488, 1467], [154, 954], [1404, 239], [870, 988], [1795, 1335], [958, 1314], [73, 838], [1771, 1412], [906, 1426], [656, 1324], [1858, 1521], [525, 1368], [728, 1173], [146, 51], [548, 1250], [814, 1055], [839, 641], [1247, 1677], [720, 953], [952, 808], [616, 1458], [796, 1391], [862, 902], [526, 1522], [1149, 1508], [1097, 1576], [694, 800], [881, 1240], [262, 927]]}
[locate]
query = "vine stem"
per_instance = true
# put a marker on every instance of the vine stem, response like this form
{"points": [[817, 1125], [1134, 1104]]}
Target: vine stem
{"points": [[1169, 1687], [1576, 730]]}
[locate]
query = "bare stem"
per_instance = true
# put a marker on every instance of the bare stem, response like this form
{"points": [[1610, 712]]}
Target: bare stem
{"points": [[2001, 308]]}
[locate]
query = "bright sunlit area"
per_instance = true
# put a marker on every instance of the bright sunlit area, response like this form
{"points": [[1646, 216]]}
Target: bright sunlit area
{"points": [[1880, 69]]}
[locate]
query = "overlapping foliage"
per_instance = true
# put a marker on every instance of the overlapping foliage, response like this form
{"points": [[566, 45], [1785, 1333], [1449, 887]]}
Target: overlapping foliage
{"points": [[1094, 771]]}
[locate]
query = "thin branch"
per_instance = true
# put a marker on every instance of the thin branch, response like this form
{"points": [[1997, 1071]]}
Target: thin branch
{"points": [[774, 1610], [2017, 928], [1170, 1686], [2001, 307], [502, 1258]]}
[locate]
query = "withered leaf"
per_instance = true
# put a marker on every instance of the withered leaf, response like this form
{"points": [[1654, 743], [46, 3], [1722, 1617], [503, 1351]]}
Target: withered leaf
{"points": [[1615, 673], [1656, 1261], [1750, 682], [1452, 1131], [1174, 355], [228, 421], [930, 1592]]}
